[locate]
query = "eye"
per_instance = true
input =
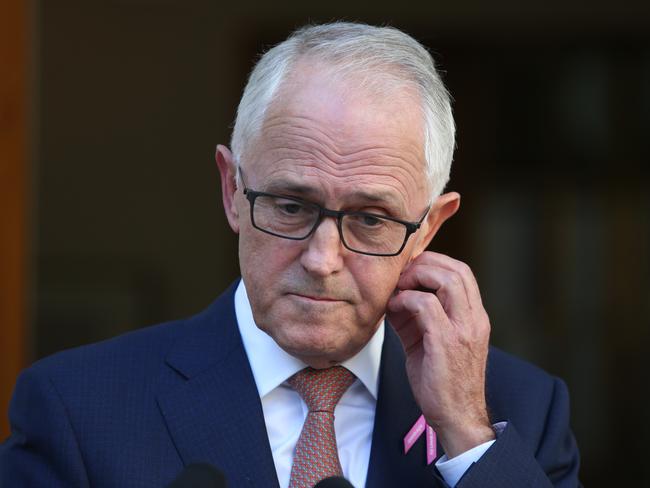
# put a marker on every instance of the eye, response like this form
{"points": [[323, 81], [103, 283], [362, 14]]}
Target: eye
{"points": [[289, 207], [370, 220]]}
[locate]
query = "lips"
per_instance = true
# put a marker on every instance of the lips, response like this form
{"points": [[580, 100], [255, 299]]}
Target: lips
{"points": [[317, 298], [320, 299]]}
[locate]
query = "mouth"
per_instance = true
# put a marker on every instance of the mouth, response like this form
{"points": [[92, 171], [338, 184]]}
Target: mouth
{"points": [[316, 298]]}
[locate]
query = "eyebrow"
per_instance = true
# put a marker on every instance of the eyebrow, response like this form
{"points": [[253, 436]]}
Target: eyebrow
{"points": [[386, 198], [283, 186]]}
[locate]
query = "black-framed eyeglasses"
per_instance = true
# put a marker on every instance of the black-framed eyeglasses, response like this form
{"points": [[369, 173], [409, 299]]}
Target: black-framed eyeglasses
{"points": [[362, 232]]}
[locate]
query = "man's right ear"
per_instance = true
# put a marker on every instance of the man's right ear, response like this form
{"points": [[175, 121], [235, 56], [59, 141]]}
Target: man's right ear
{"points": [[228, 173]]}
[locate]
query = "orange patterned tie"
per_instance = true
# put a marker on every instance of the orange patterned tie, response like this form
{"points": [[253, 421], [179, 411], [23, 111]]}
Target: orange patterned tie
{"points": [[316, 456]]}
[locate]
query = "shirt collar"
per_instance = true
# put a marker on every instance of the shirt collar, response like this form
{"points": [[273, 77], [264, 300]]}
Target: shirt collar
{"points": [[272, 366]]}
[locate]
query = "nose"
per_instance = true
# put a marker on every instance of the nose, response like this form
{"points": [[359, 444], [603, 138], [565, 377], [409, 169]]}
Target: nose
{"points": [[323, 253]]}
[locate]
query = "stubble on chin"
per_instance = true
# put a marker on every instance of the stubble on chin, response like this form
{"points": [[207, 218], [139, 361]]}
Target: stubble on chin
{"points": [[318, 342], [319, 334]]}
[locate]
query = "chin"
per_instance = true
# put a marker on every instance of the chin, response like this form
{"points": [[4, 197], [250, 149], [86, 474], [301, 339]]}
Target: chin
{"points": [[318, 336], [317, 347]]}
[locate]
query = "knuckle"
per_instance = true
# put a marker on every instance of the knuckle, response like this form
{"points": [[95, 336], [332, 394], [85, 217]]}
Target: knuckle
{"points": [[428, 302], [428, 305], [464, 340], [487, 327], [455, 280], [466, 270]]}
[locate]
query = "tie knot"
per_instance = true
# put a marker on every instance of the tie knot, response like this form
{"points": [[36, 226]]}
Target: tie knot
{"points": [[321, 389]]}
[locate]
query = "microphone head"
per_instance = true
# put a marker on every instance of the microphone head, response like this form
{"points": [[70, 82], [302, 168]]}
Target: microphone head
{"points": [[334, 482], [199, 475]]}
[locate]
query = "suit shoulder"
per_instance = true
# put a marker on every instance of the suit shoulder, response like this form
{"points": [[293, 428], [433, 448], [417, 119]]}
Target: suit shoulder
{"points": [[141, 346], [505, 367], [521, 392], [135, 357]]}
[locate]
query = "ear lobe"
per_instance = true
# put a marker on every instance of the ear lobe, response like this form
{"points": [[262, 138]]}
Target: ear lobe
{"points": [[443, 208], [228, 173]]}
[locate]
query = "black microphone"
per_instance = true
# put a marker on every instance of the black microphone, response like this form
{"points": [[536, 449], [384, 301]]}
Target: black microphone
{"points": [[334, 482], [199, 475]]}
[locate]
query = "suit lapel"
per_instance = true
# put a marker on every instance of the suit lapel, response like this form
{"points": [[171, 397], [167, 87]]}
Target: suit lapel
{"points": [[396, 413], [210, 402]]}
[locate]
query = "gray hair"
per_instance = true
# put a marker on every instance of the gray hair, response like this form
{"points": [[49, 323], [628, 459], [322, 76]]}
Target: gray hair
{"points": [[351, 48]]}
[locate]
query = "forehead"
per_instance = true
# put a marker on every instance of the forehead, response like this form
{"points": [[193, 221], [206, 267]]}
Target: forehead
{"points": [[335, 139]]}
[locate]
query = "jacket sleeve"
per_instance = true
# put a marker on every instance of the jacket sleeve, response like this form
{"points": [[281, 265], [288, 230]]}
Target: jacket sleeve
{"points": [[42, 450], [513, 463]]}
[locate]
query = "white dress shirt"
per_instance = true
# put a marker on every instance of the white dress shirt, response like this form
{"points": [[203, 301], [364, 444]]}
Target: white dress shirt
{"points": [[354, 415]]}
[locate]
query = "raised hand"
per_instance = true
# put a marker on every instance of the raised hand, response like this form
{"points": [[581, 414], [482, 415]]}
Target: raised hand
{"points": [[439, 316]]}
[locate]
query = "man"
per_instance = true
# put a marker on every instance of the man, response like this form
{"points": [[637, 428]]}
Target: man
{"points": [[341, 149]]}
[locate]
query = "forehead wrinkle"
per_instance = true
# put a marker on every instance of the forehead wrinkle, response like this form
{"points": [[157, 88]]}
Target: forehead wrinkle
{"points": [[316, 150], [348, 171], [280, 127], [385, 166], [281, 131], [388, 167], [369, 156], [385, 184]]}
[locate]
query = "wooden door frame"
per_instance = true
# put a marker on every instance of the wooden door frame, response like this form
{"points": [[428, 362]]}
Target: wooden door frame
{"points": [[15, 52]]}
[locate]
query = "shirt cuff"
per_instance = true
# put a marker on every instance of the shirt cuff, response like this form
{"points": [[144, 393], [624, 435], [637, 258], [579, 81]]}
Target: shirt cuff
{"points": [[452, 470]]}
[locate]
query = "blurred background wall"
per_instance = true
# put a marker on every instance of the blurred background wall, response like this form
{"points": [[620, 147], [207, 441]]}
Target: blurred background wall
{"points": [[128, 99]]}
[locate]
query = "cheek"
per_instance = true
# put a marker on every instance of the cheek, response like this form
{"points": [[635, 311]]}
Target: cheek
{"points": [[376, 279], [263, 259], [253, 257]]}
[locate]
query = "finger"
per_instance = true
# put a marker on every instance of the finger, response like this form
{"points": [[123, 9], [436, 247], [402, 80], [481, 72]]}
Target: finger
{"points": [[448, 287], [453, 265], [478, 316], [398, 319], [422, 309], [409, 334], [465, 272]]}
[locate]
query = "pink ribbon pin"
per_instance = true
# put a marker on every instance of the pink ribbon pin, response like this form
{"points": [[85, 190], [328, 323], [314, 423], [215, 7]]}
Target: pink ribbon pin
{"points": [[414, 434]]}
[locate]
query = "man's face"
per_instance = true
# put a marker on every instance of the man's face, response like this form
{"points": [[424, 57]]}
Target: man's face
{"points": [[325, 143]]}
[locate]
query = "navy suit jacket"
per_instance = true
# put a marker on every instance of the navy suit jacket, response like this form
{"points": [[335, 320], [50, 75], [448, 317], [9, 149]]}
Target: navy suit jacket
{"points": [[134, 410]]}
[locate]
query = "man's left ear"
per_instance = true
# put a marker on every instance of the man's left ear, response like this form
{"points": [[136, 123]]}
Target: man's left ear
{"points": [[445, 206]]}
